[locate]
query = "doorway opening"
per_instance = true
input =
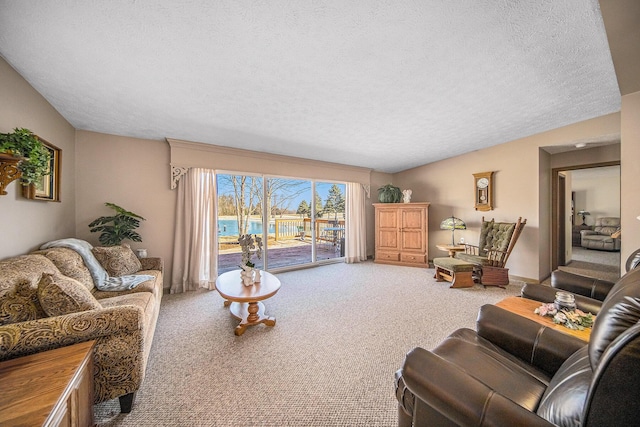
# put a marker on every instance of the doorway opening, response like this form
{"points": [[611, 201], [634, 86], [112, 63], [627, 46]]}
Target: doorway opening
{"points": [[581, 195]]}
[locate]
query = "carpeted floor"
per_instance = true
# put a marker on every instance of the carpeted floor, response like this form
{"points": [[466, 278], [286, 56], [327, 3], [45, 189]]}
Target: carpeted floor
{"points": [[342, 331], [599, 264]]}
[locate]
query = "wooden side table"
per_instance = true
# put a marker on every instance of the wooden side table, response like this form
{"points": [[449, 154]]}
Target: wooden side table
{"points": [[524, 307], [452, 249], [576, 236], [245, 302], [51, 388]]}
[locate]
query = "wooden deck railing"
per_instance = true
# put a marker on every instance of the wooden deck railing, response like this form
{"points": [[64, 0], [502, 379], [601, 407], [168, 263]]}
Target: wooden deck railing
{"points": [[293, 227]]}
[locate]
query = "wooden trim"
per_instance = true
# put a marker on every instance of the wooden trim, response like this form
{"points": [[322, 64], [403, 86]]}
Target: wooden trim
{"points": [[195, 154], [50, 185]]}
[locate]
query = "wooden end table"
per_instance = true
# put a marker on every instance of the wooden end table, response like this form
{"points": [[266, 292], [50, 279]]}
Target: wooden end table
{"points": [[524, 307], [452, 249], [50, 388], [244, 301]]}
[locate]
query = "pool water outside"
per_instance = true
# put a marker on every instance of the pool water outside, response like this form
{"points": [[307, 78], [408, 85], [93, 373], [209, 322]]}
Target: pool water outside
{"points": [[229, 227]]}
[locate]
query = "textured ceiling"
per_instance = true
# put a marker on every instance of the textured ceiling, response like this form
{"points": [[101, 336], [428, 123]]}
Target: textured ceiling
{"points": [[387, 84]]}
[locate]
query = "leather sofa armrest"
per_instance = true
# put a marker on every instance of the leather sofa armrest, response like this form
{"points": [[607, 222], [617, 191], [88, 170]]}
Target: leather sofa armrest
{"points": [[152, 263], [458, 396], [34, 336], [582, 285], [588, 232], [536, 344], [546, 294]]}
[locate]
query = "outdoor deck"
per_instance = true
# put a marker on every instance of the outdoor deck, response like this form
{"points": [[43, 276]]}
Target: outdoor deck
{"points": [[282, 257]]}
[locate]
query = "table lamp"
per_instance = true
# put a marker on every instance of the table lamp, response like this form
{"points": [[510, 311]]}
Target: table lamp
{"points": [[583, 214], [452, 223]]}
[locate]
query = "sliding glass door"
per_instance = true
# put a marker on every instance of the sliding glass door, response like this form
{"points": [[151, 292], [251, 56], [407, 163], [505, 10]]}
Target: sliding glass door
{"points": [[239, 212], [297, 228], [330, 220], [290, 244]]}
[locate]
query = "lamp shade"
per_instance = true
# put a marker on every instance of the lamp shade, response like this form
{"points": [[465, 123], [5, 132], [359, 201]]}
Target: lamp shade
{"points": [[583, 214], [453, 223]]}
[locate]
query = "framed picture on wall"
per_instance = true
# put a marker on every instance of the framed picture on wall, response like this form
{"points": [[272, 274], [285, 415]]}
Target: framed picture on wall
{"points": [[48, 187]]}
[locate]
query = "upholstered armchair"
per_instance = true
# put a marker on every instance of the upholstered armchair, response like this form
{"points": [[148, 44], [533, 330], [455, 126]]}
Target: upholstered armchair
{"points": [[601, 236], [514, 371]]}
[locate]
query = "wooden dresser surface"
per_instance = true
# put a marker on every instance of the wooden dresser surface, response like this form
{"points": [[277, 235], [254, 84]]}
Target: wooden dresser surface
{"points": [[51, 388]]}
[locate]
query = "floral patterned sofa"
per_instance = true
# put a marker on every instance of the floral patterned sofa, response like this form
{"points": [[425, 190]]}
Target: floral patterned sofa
{"points": [[48, 300]]}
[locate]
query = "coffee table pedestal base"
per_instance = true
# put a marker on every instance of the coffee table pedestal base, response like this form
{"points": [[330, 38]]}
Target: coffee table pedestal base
{"points": [[249, 314]]}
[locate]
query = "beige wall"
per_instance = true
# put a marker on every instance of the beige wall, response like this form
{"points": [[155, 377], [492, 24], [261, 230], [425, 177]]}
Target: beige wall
{"points": [[132, 173], [597, 193], [545, 220], [522, 189], [630, 174], [568, 221], [378, 179], [26, 224]]}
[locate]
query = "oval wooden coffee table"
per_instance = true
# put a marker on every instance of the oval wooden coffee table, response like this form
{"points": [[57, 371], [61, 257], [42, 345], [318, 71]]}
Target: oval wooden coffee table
{"points": [[244, 301]]}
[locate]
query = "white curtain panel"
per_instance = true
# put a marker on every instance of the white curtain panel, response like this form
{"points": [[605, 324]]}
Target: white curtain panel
{"points": [[195, 252], [356, 231]]}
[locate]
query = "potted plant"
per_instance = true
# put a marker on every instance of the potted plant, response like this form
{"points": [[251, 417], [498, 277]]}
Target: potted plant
{"points": [[389, 194], [32, 157], [118, 227]]}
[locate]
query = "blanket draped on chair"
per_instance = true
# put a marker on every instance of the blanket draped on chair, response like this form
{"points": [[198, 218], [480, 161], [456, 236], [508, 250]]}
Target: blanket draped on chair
{"points": [[101, 278]]}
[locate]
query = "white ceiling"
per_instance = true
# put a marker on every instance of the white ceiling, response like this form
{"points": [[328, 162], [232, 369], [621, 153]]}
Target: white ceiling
{"points": [[387, 84]]}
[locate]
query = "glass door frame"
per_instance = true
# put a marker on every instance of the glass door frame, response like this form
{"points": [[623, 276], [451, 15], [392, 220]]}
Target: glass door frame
{"points": [[265, 219]]}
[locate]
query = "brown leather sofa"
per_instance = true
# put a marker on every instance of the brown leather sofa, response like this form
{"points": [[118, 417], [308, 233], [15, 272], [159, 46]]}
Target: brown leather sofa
{"points": [[514, 371]]}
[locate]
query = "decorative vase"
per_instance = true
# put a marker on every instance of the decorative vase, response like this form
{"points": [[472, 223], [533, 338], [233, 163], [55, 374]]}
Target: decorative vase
{"points": [[256, 275], [565, 301], [247, 275]]}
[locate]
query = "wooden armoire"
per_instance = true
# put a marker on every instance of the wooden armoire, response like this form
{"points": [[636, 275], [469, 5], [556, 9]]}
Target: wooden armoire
{"points": [[402, 234]]}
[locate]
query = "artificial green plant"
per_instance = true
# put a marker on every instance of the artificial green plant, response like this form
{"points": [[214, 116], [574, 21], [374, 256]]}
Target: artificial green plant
{"points": [[35, 158], [118, 227]]}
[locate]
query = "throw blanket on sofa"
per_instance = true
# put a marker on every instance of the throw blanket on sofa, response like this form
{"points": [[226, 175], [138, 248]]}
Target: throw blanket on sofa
{"points": [[101, 278]]}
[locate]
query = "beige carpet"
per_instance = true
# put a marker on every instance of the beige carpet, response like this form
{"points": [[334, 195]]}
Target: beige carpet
{"points": [[599, 264], [342, 331]]}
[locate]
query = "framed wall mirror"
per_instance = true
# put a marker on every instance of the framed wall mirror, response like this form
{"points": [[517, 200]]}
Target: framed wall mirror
{"points": [[48, 187]]}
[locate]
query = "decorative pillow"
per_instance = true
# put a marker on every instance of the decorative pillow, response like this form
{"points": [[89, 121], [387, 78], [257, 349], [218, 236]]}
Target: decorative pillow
{"points": [[59, 295], [117, 260], [70, 264], [20, 305]]}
